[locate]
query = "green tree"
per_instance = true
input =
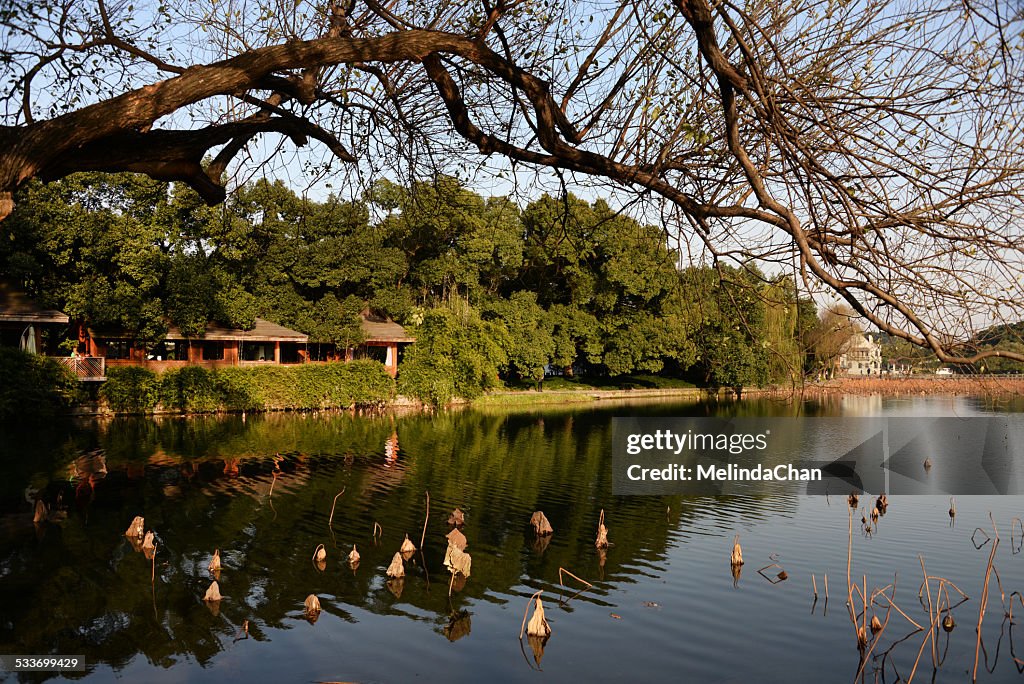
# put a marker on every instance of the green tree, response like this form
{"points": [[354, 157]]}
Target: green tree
{"points": [[729, 311], [528, 344], [457, 354]]}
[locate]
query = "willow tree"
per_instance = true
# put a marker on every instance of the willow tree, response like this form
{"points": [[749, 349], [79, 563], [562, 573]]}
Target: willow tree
{"points": [[874, 147]]}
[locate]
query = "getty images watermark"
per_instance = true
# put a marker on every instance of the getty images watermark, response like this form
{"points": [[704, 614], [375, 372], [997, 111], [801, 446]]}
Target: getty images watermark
{"points": [[712, 456]]}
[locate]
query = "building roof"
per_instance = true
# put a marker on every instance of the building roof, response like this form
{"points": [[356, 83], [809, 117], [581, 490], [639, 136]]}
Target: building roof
{"points": [[379, 328], [861, 341], [264, 331], [18, 307], [376, 327]]}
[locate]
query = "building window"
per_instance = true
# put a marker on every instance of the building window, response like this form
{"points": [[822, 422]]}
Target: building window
{"points": [[213, 351], [257, 351], [290, 352], [169, 350], [373, 352], [321, 352], [117, 349]]}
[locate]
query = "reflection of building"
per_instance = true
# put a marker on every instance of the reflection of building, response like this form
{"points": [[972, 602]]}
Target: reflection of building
{"points": [[861, 405], [21, 320], [862, 355], [391, 448]]}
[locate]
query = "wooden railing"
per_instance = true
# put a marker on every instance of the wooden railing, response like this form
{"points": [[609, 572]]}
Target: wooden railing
{"points": [[86, 367]]}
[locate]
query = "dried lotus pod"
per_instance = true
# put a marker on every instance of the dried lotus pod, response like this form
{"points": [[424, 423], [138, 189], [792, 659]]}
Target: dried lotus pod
{"points": [[41, 512], [737, 552], [353, 556], [408, 546], [538, 625], [214, 565], [456, 518], [320, 554], [457, 561], [312, 608], [397, 568], [213, 592], [540, 523], [876, 624], [602, 533], [457, 539], [137, 529]]}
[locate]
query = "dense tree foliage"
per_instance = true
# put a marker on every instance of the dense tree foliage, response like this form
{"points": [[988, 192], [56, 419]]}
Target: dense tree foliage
{"points": [[873, 148], [488, 287]]}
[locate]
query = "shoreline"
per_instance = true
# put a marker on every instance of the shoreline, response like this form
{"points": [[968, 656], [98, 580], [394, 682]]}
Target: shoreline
{"points": [[976, 385], [983, 386]]}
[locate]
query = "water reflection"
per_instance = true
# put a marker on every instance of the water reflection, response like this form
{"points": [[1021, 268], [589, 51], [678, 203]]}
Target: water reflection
{"points": [[261, 491]]}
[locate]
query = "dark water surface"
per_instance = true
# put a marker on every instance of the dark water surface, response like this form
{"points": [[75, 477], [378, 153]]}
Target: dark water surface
{"points": [[664, 604]]}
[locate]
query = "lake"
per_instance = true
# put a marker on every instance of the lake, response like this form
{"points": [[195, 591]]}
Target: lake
{"points": [[664, 603]]}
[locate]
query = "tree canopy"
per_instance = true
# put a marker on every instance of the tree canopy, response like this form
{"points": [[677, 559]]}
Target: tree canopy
{"points": [[561, 284], [875, 147]]}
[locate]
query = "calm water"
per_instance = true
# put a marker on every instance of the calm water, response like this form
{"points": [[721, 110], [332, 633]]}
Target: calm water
{"points": [[664, 604]]}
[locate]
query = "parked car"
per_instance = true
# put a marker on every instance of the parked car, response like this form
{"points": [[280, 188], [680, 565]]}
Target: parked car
{"points": [[944, 371]]}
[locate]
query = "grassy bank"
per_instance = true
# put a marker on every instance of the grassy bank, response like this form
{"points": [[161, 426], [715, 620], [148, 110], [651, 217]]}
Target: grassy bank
{"points": [[576, 390], [617, 382]]}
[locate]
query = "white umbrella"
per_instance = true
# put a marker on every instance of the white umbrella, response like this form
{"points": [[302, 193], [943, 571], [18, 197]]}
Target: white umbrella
{"points": [[28, 340]]}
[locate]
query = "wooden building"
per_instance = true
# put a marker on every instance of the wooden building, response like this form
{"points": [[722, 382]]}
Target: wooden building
{"points": [[266, 343], [383, 340]]}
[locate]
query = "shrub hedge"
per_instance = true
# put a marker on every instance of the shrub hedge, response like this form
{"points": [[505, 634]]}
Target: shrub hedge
{"points": [[194, 389], [33, 386]]}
